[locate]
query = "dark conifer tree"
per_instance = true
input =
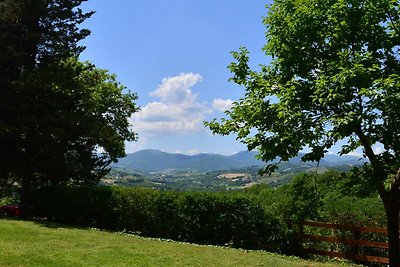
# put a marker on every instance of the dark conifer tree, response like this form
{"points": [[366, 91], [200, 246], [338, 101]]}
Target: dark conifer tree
{"points": [[54, 110]]}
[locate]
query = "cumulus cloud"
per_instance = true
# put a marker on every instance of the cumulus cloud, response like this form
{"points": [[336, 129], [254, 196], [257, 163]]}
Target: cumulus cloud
{"points": [[221, 104], [177, 89], [177, 110]]}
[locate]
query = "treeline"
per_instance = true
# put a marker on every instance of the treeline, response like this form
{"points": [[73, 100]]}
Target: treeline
{"points": [[332, 197], [258, 218]]}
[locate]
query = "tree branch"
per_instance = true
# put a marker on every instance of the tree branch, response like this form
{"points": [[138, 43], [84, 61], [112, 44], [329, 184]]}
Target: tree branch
{"points": [[394, 25], [366, 143]]}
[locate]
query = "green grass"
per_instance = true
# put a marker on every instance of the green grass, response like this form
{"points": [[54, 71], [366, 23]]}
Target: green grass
{"points": [[45, 244]]}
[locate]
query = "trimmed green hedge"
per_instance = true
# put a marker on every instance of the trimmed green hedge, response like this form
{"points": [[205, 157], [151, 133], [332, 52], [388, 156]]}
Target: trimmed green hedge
{"points": [[235, 220]]}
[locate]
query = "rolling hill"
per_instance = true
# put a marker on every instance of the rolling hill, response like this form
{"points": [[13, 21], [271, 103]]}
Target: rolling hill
{"points": [[147, 161]]}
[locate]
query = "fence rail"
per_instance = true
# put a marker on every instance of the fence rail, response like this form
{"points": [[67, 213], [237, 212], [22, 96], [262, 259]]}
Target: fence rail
{"points": [[348, 256], [346, 227], [356, 242]]}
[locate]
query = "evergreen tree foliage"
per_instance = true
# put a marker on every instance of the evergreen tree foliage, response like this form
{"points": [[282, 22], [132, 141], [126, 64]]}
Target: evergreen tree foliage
{"points": [[55, 112]]}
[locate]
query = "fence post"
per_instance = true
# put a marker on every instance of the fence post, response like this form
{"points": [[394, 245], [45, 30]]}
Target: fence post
{"points": [[356, 248], [299, 239]]}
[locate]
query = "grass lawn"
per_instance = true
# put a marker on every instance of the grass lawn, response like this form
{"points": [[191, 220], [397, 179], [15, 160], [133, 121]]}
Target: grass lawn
{"points": [[45, 244]]}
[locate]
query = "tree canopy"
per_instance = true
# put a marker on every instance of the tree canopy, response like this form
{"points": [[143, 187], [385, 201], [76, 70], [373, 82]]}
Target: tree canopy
{"points": [[334, 77]]}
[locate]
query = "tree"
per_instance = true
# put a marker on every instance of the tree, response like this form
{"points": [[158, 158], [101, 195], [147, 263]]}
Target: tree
{"points": [[334, 76], [55, 112], [33, 34]]}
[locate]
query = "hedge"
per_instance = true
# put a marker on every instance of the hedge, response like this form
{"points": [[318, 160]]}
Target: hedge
{"points": [[236, 220]]}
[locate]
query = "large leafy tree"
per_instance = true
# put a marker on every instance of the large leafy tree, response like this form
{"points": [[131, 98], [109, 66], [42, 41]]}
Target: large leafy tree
{"points": [[334, 76], [56, 113]]}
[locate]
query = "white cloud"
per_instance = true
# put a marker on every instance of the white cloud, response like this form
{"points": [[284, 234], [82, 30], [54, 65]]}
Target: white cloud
{"points": [[177, 89], [193, 151], [222, 105], [190, 152], [177, 110]]}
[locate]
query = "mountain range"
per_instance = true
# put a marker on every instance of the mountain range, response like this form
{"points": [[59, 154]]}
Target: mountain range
{"points": [[147, 161]]}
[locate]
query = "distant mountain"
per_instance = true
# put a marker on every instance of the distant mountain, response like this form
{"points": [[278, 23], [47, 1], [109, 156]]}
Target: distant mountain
{"points": [[157, 161], [334, 160], [248, 156]]}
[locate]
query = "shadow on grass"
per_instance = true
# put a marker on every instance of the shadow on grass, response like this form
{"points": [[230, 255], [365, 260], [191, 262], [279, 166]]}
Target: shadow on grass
{"points": [[56, 225], [45, 223]]}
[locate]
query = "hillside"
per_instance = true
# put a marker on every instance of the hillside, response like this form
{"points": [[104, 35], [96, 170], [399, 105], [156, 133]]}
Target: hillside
{"points": [[155, 161], [148, 161]]}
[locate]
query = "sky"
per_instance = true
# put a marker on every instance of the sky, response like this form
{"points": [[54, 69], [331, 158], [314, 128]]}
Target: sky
{"points": [[174, 54]]}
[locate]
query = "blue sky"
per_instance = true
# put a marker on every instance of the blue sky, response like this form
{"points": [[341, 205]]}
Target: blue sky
{"points": [[174, 54]]}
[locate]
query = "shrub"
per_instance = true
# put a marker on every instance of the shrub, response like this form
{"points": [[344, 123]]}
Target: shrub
{"points": [[237, 220]]}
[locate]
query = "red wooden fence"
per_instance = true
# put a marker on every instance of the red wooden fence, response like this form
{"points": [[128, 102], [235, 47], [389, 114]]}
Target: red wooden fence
{"points": [[355, 242]]}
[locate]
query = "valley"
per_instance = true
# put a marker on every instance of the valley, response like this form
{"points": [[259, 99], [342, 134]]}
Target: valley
{"points": [[211, 172]]}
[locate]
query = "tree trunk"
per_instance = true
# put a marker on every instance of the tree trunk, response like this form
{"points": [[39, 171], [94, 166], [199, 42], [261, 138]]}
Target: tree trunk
{"points": [[3, 178], [26, 197], [392, 209]]}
